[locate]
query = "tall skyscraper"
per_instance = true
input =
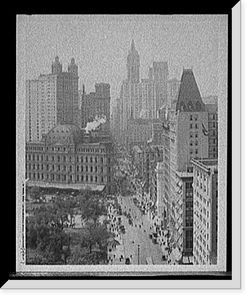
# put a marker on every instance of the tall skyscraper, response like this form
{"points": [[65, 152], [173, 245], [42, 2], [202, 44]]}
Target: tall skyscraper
{"points": [[160, 78], [73, 69], [137, 97], [133, 65], [50, 100], [183, 139]]}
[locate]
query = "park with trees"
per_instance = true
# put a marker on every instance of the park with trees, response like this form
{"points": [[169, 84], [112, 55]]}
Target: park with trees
{"points": [[53, 239]]}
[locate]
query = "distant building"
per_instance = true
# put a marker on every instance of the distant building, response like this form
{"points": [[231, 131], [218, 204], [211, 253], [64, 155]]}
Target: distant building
{"points": [[133, 65], [138, 132], [147, 94], [116, 122], [141, 98], [205, 216], [173, 89], [158, 73], [51, 100], [67, 157], [96, 104], [73, 69]]}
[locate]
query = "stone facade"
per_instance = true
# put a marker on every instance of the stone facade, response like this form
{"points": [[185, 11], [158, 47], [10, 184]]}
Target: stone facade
{"points": [[66, 155]]}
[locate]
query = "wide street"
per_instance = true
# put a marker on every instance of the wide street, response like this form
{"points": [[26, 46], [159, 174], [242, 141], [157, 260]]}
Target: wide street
{"points": [[136, 234]]}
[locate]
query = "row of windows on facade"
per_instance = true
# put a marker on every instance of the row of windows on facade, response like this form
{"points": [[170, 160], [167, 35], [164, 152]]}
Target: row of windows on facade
{"points": [[202, 219], [79, 159], [212, 116], [64, 149], [203, 241], [65, 178], [201, 210], [202, 186], [64, 168], [202, 199]]}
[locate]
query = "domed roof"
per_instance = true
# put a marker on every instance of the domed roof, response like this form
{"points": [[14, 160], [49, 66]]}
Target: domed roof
{"points": [[64, 134]]}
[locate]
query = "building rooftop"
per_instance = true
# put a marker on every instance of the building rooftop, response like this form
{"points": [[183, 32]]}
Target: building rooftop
{"points": [[189, 98], [64, 134], [206, 164]]}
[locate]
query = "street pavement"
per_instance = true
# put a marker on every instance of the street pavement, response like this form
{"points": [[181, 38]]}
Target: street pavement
{"points": [[136, 234]]}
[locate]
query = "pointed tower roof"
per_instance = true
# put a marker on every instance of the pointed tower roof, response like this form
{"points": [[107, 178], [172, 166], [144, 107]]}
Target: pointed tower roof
{"points": [[189, 98]]}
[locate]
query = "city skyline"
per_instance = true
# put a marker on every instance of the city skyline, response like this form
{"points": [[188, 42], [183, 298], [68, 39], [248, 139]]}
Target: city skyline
{"points": [[157, 70], [100, 45]]}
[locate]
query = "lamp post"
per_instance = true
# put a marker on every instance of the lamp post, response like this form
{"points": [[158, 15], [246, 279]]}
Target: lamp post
{"points": [[138, 252]]}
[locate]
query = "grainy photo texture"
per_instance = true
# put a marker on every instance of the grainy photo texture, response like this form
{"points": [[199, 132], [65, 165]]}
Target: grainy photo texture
{"points": [[122, 143]]}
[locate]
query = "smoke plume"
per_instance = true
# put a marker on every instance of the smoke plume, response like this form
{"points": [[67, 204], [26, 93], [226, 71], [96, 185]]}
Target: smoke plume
{"points": [[94, 124]]}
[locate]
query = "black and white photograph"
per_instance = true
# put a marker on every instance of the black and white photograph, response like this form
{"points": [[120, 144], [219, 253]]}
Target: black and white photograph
{"points": [[122, 145]]}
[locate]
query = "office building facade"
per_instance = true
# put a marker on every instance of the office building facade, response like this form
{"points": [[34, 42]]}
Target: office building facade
{"points": [[51, 100], [205, 213], [183, 140]]}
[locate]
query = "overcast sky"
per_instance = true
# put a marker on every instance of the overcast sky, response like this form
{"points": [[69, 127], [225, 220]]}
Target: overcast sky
{"points": [[100, 45]]}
